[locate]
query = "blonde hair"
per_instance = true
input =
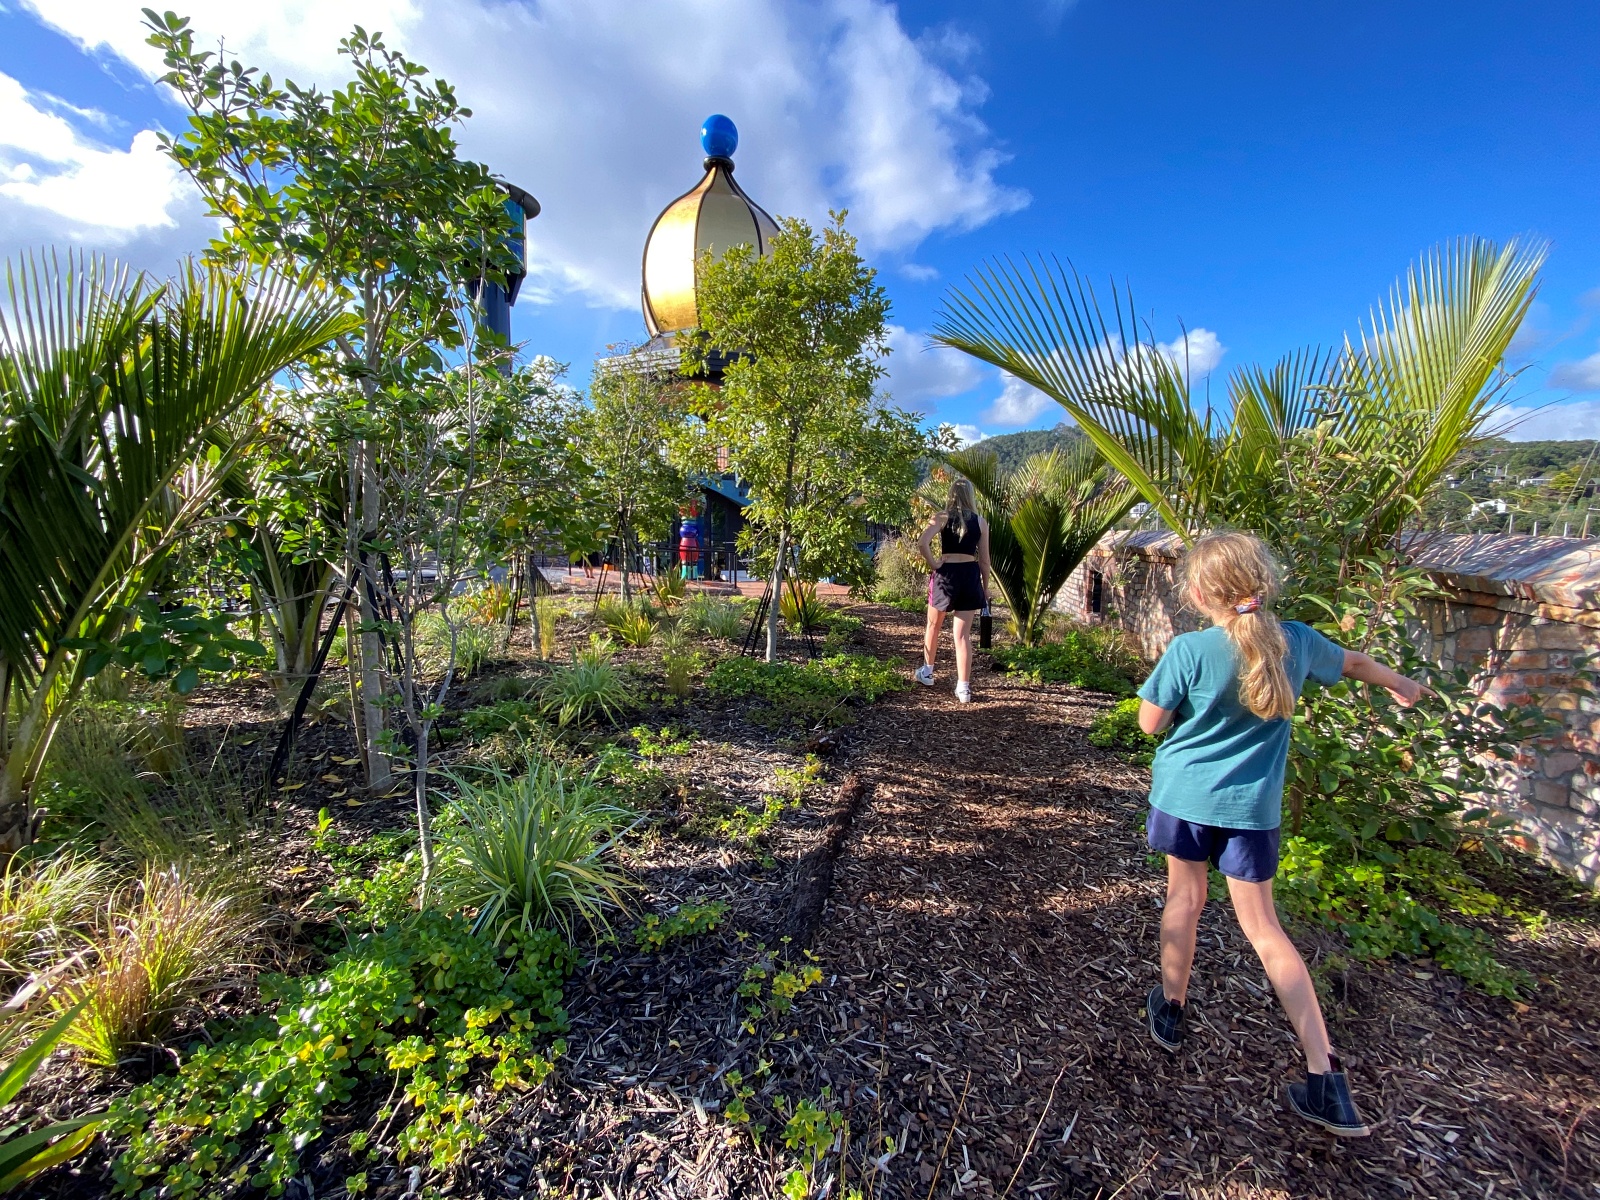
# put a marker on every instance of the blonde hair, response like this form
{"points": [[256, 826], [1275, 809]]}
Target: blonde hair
{"points": [[961, 505], [1237, 579]]}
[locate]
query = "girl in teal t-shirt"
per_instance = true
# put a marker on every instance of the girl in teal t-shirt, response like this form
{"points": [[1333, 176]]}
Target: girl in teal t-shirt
{"points": [[1216, 792]]}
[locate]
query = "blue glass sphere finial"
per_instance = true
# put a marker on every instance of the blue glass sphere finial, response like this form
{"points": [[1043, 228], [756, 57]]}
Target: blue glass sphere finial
{"points": [[719, 137]]}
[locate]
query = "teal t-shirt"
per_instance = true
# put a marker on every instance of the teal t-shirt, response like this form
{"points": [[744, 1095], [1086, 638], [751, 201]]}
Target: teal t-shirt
{"points": [[1221, 764]]}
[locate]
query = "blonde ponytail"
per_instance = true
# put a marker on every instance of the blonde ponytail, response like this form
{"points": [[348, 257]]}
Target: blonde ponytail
{"points": [[1235, 574]]}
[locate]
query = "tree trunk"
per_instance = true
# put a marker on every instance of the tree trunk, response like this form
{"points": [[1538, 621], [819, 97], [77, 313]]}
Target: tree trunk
{"points": [[624, 560], [777, 596], [424, 818], [380, 775], [514, 586]]}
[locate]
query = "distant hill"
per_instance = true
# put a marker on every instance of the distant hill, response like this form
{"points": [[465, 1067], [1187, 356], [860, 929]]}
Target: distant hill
{"points": [[1014, 448]]}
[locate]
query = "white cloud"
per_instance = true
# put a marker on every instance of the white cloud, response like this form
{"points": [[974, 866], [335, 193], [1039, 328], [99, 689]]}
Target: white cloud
{"points": [[968, 435], [921, 372], [919, 272], [1199, 350], [1554, 422], [1018, 403], [595, 107], [1580, 376], [75, 184]]}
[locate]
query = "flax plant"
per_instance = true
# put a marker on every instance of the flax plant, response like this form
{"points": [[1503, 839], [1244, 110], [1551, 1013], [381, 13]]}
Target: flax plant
{"points": [[529, 852]]}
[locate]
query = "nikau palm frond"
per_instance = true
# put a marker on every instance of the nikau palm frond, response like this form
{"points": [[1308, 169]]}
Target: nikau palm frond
{"points": [[109, 386], [1421, 381], [1043, 518]]}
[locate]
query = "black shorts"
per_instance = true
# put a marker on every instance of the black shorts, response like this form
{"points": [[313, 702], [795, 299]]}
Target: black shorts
{"points": [[956, 587]]}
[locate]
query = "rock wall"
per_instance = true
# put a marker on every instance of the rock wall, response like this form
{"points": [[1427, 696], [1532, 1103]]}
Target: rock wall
{"points": [[1522, 612]]}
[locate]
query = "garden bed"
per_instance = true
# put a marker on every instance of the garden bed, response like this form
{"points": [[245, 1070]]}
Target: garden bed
{"points": [[971, 921]]}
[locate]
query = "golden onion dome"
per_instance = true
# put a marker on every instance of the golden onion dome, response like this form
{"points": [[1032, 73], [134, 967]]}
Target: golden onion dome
{"points": [[714, 216]]}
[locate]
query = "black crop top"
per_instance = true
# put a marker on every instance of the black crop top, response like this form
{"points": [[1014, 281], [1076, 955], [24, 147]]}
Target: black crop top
{"points": [[952, 542]]}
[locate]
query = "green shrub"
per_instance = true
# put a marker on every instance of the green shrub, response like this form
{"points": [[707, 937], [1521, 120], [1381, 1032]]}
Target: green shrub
{"points": [[686, 921], [1381, 800], [712, 616], [529, 852], [1118, 729], [917, 606], [679, 665], [422, 1004], [160, 949], [902, 573], [1076, 659], [590, 686], [805, 692]]}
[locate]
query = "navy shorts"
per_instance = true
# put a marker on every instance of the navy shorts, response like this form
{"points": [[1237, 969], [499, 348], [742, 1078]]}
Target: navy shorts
{"points": [[1250, 855]]}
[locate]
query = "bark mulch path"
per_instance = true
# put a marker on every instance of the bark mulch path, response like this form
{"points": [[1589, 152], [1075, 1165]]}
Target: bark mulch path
{"points": [[994, 926]]}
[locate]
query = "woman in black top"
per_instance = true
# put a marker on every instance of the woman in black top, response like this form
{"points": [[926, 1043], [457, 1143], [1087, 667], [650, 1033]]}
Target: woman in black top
{"points": [[958, 582]]}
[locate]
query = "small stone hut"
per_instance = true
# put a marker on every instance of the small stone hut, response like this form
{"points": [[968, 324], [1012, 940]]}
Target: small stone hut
{"points": [[1522, 611]]}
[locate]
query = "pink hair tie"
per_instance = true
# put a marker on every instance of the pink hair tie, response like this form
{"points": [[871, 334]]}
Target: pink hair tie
{"points": [[1249, 605]]}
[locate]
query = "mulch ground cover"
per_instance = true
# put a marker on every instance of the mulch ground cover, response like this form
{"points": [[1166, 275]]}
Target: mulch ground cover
{"points": [[971, 884]]}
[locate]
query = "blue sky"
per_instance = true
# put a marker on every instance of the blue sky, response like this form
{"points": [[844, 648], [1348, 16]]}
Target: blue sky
{"points": [[1258, 173]]}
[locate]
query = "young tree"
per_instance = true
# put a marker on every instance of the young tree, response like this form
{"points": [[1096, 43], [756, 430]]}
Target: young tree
{"points": [[638, 437], [362, 189], [797, 409]]}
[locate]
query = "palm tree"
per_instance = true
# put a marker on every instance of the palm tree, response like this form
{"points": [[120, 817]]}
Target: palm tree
{"points": [[1388, 410], [1043, 518], [109, 388]]}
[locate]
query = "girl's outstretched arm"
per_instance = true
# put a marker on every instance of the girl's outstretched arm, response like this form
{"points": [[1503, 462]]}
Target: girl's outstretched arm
{"points": [[1153, 719], [1370, 670]]}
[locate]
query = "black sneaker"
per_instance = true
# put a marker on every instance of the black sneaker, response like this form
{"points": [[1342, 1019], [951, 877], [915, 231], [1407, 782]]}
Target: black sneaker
{"points": [[1164, 1018], [1325, 1100]]}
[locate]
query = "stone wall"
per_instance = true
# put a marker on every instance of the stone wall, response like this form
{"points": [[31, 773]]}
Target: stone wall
{"points": [[1521, 611]]}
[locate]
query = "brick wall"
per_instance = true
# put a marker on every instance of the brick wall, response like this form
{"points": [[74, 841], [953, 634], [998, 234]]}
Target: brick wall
{"points": [[1520, 611]]}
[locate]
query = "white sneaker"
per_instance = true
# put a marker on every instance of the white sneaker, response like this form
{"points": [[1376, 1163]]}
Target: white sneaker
{"points": [[963, 693], [924, 675]]}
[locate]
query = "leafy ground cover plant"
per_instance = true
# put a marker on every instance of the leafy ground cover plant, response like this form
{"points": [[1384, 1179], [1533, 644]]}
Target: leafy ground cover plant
{"points": [[770, 987], [662, 743], [1118, 729], [809, 693], [162, 944], [689, 920], [425, 1002], [530, 852], [1074, 659]]}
